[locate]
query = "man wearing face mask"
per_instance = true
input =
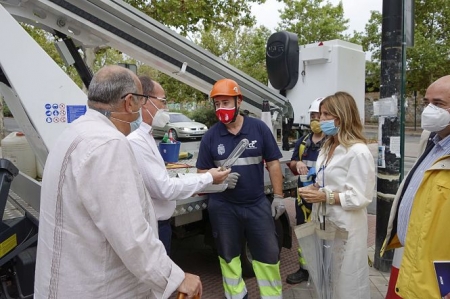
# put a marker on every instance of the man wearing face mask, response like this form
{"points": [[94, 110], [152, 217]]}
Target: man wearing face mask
{"points": [[97, 226], [163, 189], [303, 162], [421, 207], [243, 213]]}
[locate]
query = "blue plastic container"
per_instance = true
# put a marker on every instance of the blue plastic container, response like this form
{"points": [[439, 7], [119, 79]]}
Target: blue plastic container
{"points": [[170, 151]]}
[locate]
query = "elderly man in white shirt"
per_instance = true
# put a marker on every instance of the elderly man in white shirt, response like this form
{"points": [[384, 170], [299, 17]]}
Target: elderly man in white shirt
{"points": [[163, 189], [97, 226]]}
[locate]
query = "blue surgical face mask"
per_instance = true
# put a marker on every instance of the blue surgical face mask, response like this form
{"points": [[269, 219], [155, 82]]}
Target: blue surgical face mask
{"points": [[135, 124], [328, 127]]}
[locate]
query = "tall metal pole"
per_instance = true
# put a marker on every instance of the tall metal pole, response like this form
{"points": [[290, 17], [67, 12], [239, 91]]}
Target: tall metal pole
{"points": [[415, 110], [389, 176], [403, 95]]}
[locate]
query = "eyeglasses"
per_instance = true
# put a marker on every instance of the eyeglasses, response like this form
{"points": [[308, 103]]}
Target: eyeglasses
{"points": [[163, 100], [141, 97]]}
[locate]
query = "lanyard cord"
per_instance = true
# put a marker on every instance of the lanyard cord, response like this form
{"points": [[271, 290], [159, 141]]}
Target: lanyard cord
{"points": [[324, 165]]}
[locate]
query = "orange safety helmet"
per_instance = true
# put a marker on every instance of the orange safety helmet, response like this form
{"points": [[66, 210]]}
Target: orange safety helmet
{"points": [[226, 87]]}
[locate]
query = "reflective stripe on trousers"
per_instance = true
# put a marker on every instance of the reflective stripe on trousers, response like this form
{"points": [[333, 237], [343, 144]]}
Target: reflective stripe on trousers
{"points": [[301, 259], [233, 284], [233, 224], [269, 280]]}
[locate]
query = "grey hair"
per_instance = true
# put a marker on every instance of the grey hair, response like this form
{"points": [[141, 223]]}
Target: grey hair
{"points": [[111, 83], [147, 85]]}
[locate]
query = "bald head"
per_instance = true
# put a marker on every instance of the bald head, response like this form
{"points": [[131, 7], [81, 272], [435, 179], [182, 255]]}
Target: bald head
{"points": [[441, 83], [112, 82], [438, 93]]}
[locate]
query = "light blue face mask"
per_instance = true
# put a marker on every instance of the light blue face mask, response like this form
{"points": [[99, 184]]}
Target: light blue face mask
{"points": [[135, 124], [328, 127]]}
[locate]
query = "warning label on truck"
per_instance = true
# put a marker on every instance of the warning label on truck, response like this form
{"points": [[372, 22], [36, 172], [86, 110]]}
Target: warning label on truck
{"points": [[75, 111], [62, 113]]}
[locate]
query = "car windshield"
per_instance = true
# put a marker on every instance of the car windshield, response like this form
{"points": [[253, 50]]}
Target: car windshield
{"points": [[177, 118]]}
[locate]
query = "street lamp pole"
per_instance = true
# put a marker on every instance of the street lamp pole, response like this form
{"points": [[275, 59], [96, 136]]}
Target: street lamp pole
{"points": [[389, 172]]}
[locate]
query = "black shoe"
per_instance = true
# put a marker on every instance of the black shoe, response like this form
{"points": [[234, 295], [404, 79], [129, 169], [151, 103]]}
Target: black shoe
{"points": [[297, 277]]}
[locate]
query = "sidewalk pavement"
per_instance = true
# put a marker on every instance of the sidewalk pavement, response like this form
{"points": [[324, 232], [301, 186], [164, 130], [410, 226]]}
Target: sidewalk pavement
{"points": [[378, 280]]}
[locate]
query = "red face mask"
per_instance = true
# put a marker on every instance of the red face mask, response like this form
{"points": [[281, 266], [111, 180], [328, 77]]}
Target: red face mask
{"points": [[225, 115]]}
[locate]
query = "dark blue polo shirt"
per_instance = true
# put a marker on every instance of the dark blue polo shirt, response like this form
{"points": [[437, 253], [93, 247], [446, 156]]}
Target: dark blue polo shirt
{"points": [[218, 143]]}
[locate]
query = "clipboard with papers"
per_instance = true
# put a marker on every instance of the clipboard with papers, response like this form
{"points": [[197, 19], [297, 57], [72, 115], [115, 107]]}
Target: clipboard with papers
{"points": [[442, 269]]}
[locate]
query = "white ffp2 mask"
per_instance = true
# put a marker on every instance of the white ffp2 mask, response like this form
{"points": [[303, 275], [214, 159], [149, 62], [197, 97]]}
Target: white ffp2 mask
{"points": [[160, 119], [435, 119]]}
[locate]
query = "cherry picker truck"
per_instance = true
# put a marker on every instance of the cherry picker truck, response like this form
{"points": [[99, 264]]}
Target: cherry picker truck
{"points": [[44, 101]]}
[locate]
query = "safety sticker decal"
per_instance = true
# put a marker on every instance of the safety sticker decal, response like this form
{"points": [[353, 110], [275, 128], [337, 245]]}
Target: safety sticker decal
{"points": [[75, 111], [62, 113]]}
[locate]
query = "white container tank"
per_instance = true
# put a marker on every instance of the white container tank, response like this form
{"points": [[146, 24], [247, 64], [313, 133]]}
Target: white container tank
{"points": [[16, 148]]}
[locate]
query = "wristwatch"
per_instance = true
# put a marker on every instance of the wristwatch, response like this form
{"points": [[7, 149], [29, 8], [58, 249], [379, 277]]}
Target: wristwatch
{"points": [[330, 199], [329, 196]]}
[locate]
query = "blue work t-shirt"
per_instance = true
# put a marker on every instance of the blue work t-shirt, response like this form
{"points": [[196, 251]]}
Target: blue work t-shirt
{"points": [[217, 144]]}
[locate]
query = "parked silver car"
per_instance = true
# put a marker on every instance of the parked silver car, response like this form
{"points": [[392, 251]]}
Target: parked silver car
{"points": [[181, 126]]}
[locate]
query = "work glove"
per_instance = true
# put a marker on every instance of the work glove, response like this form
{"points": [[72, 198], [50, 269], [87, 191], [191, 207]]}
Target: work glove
{"points": [[232, 180], [278, 207]]}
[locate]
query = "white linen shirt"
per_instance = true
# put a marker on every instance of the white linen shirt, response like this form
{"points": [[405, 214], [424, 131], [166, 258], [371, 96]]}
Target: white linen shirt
{"points": [[163, 189], [98, 235], [351, 173]]}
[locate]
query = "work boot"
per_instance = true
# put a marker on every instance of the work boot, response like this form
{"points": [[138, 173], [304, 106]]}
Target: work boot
{"points": [[297, 277]]}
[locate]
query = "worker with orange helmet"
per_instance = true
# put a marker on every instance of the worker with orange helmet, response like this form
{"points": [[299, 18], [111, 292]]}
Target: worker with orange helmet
{"points": [[243, 212]]}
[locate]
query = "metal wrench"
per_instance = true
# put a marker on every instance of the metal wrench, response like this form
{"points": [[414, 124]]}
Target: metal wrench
{"points": [[235, 154]]}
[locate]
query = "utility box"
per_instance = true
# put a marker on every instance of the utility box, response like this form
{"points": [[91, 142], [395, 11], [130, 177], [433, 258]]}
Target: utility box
{"points": [[325, 68]]}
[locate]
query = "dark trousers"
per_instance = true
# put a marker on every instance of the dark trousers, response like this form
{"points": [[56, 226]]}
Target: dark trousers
{"points": [[165, 234], [232, 223]]}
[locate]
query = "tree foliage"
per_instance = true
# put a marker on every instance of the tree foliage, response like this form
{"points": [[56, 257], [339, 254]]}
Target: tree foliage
{"points": [[428, 59], [371, 42], [313, 20], [244, 48], [187, 16], [196, 18]]}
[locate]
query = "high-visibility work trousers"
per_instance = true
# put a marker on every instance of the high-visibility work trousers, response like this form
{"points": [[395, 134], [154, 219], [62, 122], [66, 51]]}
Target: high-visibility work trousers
{"points": [[232, 225], [303, 215]]}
